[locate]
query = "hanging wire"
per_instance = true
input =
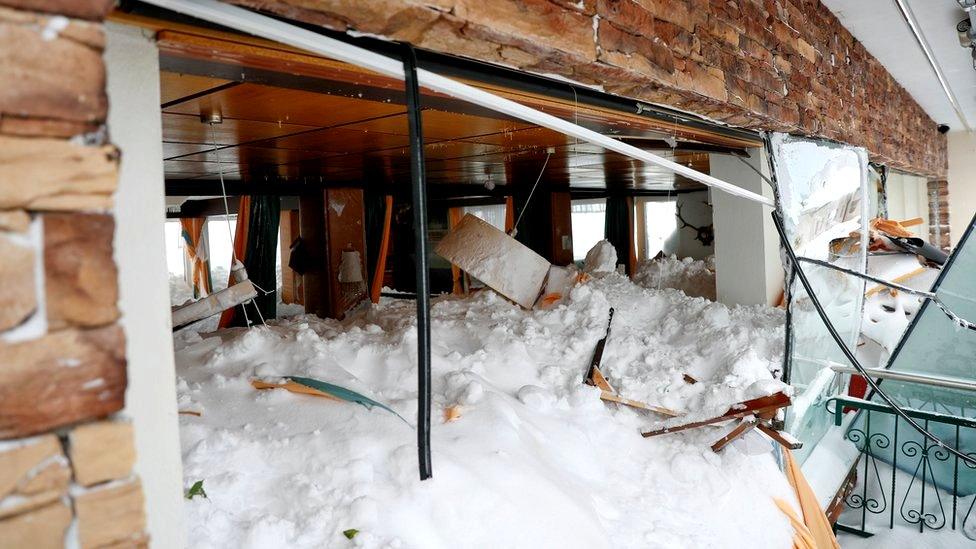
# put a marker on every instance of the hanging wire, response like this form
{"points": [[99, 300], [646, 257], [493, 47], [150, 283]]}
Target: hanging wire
{"points": [[230, 233], [934, 298], [532, 192]]}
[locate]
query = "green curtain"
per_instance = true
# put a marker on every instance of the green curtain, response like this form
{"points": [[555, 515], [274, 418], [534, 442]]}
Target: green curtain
{"points": [[260, 256], [374, 206]]}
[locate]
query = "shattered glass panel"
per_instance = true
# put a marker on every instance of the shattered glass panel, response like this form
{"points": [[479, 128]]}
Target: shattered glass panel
{"points": [[822, 195], [934, 344]]}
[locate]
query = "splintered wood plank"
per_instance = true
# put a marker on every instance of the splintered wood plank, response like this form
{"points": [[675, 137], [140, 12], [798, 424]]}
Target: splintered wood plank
{"points": [[61, 378], [758, 407], [785, 439], [742, 428], [610, 397]]}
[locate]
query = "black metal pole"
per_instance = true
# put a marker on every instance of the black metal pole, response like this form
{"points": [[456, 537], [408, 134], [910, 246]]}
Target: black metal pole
{"points": [[418, 185]]}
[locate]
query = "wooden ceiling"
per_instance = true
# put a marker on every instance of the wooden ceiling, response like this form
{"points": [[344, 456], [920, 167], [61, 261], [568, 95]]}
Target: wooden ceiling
{"points": [[319, 118]]}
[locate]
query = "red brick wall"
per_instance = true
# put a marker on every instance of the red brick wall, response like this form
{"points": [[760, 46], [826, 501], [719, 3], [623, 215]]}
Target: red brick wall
{"points": [[767, 64]]}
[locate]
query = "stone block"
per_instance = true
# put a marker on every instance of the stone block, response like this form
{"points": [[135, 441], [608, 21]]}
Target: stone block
{"points": [[42, 528], [17, 285], [111, 515], [55, 174], [33, 473], [101, 451], [51, 68], [61, 378], [80, 277], [83, 9]]}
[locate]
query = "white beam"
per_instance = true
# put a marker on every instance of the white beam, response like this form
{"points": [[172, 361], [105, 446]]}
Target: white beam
{"points": [[135, 127]]}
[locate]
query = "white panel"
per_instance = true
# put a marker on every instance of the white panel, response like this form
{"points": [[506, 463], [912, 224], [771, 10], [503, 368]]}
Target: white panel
{"points": [[748, 269], [140, 252]]}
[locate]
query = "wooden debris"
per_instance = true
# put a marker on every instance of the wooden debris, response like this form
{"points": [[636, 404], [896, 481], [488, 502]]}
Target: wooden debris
{"points": [[598, 380], [898, 280], [785, 439], [102, 451], [611, 397], [293, 387], [763, 407], [452, 413], [742, 428], [688, 379], [190, 413], [891, 227]]}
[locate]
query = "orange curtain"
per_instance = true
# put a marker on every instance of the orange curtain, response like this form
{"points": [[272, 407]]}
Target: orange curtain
{"points": [[377, 287], [200, 264], [240, 244]]}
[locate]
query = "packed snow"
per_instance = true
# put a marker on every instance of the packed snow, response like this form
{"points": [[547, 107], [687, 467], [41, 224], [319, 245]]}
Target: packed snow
{"points": [[535, 458], [694, 277]]}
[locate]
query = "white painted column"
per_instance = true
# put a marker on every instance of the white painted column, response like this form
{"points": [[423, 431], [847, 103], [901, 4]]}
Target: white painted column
{"points": [[140, 212], [748, 269]]}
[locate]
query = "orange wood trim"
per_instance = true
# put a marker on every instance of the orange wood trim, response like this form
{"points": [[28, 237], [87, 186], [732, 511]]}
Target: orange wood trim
{"points": [[453, 218], [509, 214], [377, 288]]}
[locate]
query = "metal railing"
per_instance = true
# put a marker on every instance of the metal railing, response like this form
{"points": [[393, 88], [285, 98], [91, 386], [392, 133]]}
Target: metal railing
{"points": [[931, 500]]}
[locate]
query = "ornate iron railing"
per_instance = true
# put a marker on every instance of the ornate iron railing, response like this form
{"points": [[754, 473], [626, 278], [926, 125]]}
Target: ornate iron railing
{"points": [[931, 499]]}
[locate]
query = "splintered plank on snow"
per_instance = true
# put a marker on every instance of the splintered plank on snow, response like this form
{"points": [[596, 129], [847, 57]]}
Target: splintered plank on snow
{"points": [[763, 407]]}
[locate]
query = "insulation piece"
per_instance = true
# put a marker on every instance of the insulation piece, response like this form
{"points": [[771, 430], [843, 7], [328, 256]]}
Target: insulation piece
{"points": [[501, 262]]}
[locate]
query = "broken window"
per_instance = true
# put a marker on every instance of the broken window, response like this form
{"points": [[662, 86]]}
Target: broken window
{"points": [[822, 193]]}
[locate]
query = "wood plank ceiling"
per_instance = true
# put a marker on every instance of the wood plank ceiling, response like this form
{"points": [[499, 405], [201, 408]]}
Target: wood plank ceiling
{"points": [[353, 129]]}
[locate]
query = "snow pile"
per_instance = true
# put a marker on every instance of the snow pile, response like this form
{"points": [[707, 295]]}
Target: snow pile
{"points": [[602, 258], [535, 459], [696, 278]]}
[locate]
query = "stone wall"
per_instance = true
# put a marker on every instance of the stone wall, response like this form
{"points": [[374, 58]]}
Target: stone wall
{"points": [[66, 458], [784, 65]]}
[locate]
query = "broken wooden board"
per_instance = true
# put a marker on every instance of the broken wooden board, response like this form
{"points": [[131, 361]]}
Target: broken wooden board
{"points": [[611, 397], [501, 262], [785, 439], [214, 303], [763, 407], [742, 428], [292, 387]]}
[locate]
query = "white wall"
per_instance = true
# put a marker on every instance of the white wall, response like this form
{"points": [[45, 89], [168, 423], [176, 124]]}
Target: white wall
{"points": [[962, 182], [135, 127], [748, 269]]}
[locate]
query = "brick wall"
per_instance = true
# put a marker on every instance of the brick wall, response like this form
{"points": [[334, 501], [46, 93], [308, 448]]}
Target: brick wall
{"points": [[784, 65], [65, 456]]}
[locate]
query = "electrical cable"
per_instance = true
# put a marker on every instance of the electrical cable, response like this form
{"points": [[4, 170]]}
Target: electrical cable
{"points": [[798, 270], [528, 200], [911, 291], [230, 233]]}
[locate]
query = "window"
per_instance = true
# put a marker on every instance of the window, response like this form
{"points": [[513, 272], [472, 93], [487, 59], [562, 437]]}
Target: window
{"points": [[589, 223]]}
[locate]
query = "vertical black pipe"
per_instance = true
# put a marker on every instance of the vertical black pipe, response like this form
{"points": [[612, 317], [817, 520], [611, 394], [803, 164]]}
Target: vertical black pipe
{"points": [[419, 188]]}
